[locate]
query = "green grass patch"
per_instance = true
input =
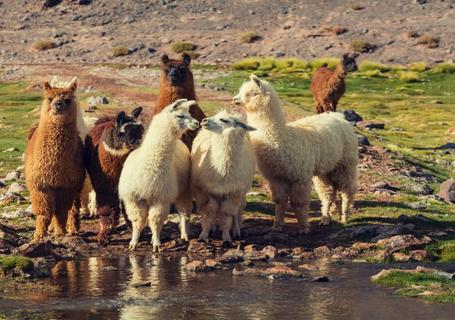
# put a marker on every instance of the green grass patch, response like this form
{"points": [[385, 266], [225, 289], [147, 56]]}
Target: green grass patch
{"points": [[444, 250], [427, 286], [12, 262], [182, 46]]}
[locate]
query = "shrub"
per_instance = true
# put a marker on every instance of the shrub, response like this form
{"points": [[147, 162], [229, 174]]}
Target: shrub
{"points": [[444, 67], [12, 262], [246, 64], [367, 65], [409, 76], [182, 46], [120, 51], [428, 41], [357, 7], [291, 64], [331, 63], [361, 46], [336, 30], [250, 37], [374, 73], [43, 45], [418, 66]]}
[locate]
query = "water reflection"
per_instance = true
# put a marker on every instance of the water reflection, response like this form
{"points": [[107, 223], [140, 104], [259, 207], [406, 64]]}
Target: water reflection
{"points": [[103, 288]]}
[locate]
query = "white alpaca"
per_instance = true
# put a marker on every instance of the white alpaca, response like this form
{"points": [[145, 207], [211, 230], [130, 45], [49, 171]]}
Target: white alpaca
{"points": [[289, 155], [157, 174], [222, 170]]}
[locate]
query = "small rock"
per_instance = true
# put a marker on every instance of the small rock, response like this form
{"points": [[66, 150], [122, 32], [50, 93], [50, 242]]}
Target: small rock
{"points": [[12, 149], [352, 116], [33, 250], [320, 279], [417, 205], [422, 189], [142, 284], [269, 251], [321, 251], [418, 255], [307, 267], [401, 242], [369, 125], [195, 266], [11, 197], [16, 187], [400, 257], [212, 263], [18, 214], [449, 145], [447, 191], [95, 101], [363, 246], [363, 140], [231, 256], [13, 175]]}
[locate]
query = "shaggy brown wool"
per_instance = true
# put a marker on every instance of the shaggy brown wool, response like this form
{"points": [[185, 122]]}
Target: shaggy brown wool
{"points": [[54, 166], [328, 86], [177, 82]]}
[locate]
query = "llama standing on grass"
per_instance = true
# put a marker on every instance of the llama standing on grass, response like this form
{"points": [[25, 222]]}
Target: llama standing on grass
{"points": [[157, 174], [176, 82], [289, 155], [54, 165], [107, 146], [223, 163], [328, 86]]}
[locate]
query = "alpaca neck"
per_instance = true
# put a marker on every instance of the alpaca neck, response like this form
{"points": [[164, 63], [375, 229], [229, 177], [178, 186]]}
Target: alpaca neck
{"points": [[225, 148], [159, 144], [269, 124], [340, 73], [106, 144], [170, 93]]}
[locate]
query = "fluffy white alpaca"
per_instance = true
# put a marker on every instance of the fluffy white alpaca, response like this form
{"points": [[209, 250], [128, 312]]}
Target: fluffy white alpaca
{"points": [[289, 155], [157, 174], [222, 170]]}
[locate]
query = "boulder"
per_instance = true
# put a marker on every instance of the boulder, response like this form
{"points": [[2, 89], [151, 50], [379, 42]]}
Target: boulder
{"points": [[352, 116], [447, 191]]}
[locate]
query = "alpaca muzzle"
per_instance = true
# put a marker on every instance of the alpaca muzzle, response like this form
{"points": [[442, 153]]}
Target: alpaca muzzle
{"points": [[236, 100]]}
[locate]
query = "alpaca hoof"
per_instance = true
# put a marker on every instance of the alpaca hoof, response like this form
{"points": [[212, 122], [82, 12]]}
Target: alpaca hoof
{"points": [[132, 246], [343, 220], [185, 237], [156, 248], [324, 221]]}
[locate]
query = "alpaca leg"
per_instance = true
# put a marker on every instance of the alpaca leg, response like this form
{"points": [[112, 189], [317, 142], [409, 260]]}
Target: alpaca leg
{"points": [[327, 195], [138, 217], [157, 216], [226, 224], [184, 206], [73, 224], [43, 206], [92, 204], [108, 211], [236, 222], [208, 217], [85, 210], [300, 202], [347, 181], [64, 202], [229, 210], [347, 199], [280, 194]]}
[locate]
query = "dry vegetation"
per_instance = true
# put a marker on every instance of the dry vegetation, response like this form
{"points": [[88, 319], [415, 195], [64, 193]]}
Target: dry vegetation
{"points": [[43, 45], [362, 46], [120, 51], [428, 41], [335, 30], [182, 46], [250, 37]]}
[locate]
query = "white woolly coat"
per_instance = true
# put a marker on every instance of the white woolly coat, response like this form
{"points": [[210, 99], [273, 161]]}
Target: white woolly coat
{"points": [[158, 170], [222, 163]]}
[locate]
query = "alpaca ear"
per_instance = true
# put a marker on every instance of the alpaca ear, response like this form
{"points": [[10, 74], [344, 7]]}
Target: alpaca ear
{"points": [[72, 86], [345, 56], [121, 117], [256, 80], [240, 124], [354, 55], [186, 58], [136, 112], [47, 86], [176, 104], [164, 59]]}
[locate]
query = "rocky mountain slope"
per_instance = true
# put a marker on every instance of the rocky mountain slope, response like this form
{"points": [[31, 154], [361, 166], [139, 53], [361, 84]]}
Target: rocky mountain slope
{"points": [[118, 31]]}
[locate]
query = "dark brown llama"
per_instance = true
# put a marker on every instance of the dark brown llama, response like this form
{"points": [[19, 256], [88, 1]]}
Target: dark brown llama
{"points": [[176, 82]]}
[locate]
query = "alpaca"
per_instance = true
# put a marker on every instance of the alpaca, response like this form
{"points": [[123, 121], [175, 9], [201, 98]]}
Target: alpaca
{"points": [[88, 197], [328, 86], [157, 174], [107, 146], [54, 164], [222, 170], [176, 82], [289, 155]]}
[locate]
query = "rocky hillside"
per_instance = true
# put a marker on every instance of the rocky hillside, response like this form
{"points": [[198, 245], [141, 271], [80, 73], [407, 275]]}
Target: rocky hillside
{"points": [[118, 31]]}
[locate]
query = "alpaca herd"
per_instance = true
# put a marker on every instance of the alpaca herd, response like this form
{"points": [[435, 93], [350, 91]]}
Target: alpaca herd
{"points": [[182, 156]]}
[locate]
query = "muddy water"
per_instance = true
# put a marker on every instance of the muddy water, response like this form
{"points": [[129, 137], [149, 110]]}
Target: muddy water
{"points": [[102, 288]]}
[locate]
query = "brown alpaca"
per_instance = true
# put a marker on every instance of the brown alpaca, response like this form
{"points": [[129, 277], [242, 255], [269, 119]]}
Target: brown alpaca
{"points": [[176, 82], [54, 164], [328, 86], [107, 146]]}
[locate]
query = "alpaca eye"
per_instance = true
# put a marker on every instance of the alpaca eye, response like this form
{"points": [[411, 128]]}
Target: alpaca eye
{"points": [[224, 120], [49, 99], [67, 101], [180, 116]]}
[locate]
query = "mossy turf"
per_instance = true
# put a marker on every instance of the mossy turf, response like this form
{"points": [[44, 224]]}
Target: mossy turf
{"points": [[427, 286], [12, 262]]}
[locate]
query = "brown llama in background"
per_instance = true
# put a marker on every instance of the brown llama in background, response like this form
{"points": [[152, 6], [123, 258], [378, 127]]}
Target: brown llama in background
{"points": [[176, 82], [328, 86], [54, 163], [107, 146]]}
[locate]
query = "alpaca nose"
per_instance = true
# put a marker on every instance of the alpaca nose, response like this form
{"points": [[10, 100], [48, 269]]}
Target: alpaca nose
{"points": [[204, 121], [59, 106], [236, 100]]}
